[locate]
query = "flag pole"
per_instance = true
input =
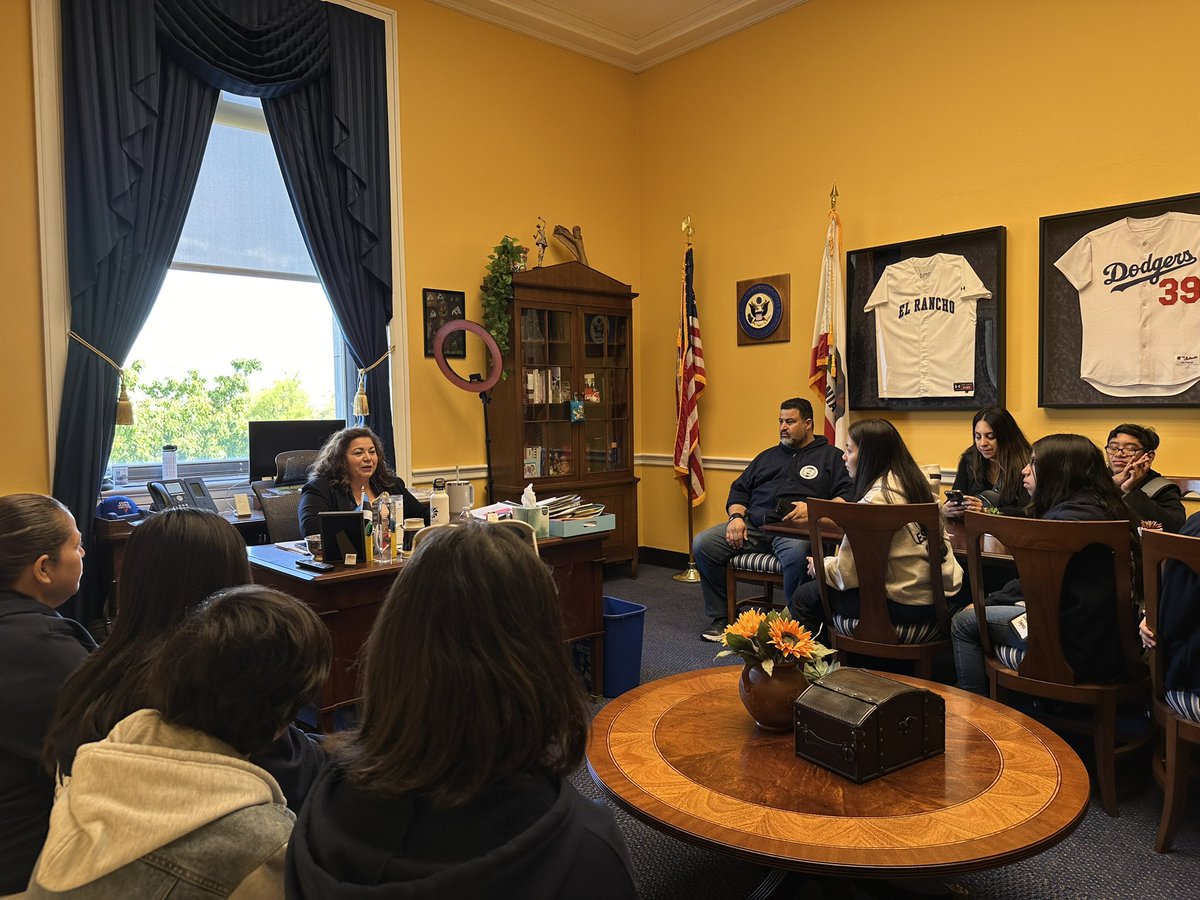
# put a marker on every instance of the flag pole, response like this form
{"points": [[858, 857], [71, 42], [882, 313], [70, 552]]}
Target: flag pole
{"points": [[690, 575]]}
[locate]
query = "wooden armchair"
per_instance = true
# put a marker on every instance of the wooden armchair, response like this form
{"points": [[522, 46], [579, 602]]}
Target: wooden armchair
{"points": [[1179, 731], [870, 528], [1042, 550]]}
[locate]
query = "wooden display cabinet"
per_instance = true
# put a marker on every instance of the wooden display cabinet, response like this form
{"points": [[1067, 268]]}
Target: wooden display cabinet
{"points": [[572, 339]]}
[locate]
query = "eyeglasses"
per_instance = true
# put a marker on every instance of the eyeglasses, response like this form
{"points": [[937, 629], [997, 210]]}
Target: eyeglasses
{"points": [[1124, 449]]}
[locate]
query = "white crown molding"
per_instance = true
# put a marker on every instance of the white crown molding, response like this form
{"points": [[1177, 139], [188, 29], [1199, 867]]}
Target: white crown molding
{"points": [[632, 35]]}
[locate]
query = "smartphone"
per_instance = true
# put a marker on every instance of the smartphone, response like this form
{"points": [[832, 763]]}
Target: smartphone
{"points": [[954, 496], [315, 565]]}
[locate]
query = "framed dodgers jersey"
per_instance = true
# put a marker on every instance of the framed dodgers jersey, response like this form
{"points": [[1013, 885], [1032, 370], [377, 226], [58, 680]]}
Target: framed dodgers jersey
{"points": [[924, 323], [1119, 307]]}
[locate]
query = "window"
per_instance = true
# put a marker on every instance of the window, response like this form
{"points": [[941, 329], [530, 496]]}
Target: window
{"points": [[242, 328]]}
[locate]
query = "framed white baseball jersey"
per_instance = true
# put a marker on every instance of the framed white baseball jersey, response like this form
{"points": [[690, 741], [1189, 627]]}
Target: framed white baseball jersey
{"points": [[1138, 283], [925, 327]]}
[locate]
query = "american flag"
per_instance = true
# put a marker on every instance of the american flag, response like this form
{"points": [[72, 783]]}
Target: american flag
{"points": [[690, 381]]}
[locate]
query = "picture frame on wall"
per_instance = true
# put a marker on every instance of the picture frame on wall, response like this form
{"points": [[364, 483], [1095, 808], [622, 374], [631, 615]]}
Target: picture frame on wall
{"points": [[1119, 306], [925, 323], [437, 308]]}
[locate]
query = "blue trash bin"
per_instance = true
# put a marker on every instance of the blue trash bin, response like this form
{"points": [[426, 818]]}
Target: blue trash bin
{"points": [[624, 623]]}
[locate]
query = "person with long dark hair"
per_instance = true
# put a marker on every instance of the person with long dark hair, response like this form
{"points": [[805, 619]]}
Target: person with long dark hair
{"points": [[989, 471], [168, 803], [41, 562], [350, 465], [1069, 481], [884, 472], [454, 783], [173, 561]]}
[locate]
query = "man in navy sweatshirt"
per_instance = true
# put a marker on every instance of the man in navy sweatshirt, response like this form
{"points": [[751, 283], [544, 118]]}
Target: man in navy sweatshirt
{"points": [[773, 486]]}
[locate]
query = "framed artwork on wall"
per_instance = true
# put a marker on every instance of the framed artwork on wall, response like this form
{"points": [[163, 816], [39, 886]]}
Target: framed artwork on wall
{"points": [[1119, 306], [437, 308], [925, 323]]}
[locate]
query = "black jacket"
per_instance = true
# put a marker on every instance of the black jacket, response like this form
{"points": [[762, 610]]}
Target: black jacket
{"points": [[319, 495], [527, 836], [39, 649], [1088, 606], [789, 474], [966, 481], [1179, 620], [1165, 507]]}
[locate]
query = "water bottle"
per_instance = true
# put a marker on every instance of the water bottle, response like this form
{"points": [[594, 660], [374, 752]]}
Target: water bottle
{"points": [[169, 467], [439, 503]]}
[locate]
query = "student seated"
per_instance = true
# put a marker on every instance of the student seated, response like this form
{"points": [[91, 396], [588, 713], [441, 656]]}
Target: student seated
{"points": [[41, 562], [168, 804], [1179, 631], [1150, 497], [884, 472], [350, 466], [173, 561], [1068, 480], [454, 783], [989, 471]]}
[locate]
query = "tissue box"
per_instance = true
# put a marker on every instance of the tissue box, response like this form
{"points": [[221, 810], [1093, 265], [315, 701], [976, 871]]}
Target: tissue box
{"points": [[573, 527]]}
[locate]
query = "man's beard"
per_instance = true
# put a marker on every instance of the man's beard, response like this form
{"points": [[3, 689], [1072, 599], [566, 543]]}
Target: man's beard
{"points": [[789, 442]]}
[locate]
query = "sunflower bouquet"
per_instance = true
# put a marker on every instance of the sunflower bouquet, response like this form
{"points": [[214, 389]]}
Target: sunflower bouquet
{"points": [[772, 638]]}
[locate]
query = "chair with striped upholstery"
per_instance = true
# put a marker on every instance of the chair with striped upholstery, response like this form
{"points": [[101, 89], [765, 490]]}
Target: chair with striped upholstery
{"points": [[752, 568], [1177, 712], [869, 527], [1042, 550]]}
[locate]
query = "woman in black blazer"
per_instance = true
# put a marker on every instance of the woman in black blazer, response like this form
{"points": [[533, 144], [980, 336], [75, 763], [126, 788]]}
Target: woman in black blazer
{"points": [[350, 466], [41, 561]]}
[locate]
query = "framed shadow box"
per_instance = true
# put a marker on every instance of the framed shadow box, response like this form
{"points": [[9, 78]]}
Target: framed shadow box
{"points": [[925, 323], [1118, 310]]}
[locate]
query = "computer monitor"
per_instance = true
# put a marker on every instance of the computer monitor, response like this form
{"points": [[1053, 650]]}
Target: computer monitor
{"points": [[267, 439]]}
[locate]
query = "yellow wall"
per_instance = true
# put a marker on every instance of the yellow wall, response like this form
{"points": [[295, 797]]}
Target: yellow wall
{"points": [[1034, 109], [933, 116], [497, 129], [23, 450]]}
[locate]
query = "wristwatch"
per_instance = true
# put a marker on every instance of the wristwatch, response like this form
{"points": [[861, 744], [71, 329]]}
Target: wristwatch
{"points": [[737, 515]]}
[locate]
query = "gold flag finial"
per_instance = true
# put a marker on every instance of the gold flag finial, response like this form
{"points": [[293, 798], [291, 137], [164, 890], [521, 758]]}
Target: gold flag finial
{"points": [[833, 195], [688, 230]]}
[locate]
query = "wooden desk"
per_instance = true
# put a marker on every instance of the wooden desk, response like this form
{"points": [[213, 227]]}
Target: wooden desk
{"points": [[684, 756], [349, 599]]}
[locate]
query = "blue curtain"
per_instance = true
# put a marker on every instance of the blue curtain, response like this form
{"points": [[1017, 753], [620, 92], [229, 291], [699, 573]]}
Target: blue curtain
{"points": [[331, 137], [140, 87]]}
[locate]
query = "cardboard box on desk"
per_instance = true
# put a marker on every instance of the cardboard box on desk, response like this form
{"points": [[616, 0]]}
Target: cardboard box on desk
{"points": [[573, 527], [863, 725]]}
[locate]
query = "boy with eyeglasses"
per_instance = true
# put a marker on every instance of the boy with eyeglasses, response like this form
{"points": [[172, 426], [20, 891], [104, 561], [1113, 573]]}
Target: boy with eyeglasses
{"points": [[1157, 501]]}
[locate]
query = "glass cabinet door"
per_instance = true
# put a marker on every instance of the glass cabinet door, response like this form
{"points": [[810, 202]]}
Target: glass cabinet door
{"points": [[606, 392], [546, 386]]}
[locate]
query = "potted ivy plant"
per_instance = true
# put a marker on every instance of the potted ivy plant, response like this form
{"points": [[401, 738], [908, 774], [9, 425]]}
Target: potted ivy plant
{"points": [[507, 257]]}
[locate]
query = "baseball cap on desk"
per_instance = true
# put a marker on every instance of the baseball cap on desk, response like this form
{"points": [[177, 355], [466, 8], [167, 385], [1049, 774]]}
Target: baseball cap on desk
{"points": [[117, 508]]}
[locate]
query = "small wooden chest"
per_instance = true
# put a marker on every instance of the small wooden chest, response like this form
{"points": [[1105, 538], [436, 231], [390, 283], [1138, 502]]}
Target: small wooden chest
{"points": [[863, 725]]}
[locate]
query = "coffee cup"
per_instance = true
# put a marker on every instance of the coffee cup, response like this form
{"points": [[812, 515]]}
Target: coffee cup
{"points": [[313, 542], [409, 531], [462, 496]]}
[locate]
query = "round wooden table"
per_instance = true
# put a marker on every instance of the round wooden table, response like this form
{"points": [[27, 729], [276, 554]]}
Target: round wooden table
{"points": [[684, 756]]}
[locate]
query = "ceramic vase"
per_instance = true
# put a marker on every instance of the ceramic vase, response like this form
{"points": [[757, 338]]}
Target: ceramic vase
{"points": [[770, 699]]}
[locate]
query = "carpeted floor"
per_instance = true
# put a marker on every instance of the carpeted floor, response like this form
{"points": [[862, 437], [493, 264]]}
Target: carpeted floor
{"points": [[1103, 858]]}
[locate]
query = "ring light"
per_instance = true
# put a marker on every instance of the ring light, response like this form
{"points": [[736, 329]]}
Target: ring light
{"points": [[495, 363]]}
